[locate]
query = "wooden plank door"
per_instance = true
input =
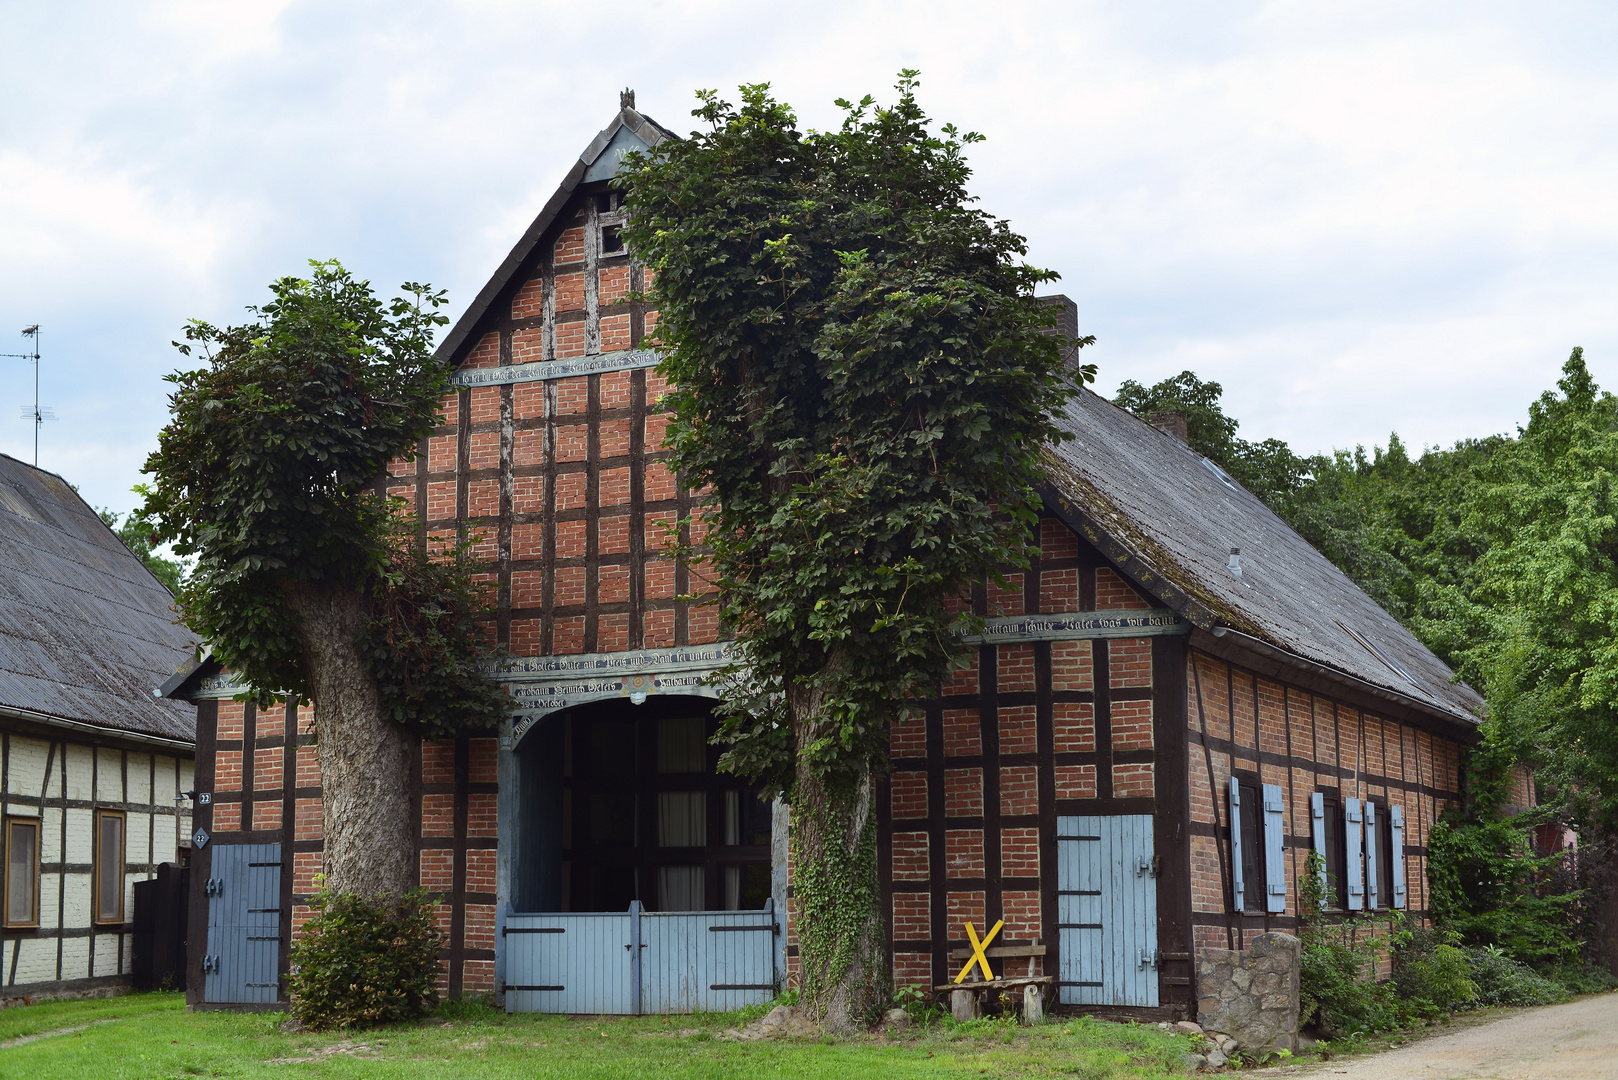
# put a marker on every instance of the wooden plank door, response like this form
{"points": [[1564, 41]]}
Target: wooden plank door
{"points": [[1106, 888], [244, 925]]}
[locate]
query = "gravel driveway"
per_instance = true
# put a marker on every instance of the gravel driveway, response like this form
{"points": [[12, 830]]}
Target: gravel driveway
{"points": [[1553, 1042]]}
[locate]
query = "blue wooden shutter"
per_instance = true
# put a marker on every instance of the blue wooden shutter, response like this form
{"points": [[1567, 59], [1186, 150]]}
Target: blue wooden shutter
{"points": [[1317, 815], [1275, 870], [1238, 884], [1396, 849], [1353, 853], [1373, 892]]}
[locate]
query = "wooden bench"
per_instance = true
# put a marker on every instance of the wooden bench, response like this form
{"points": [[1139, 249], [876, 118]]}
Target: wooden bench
{"points": [[965, 998]]}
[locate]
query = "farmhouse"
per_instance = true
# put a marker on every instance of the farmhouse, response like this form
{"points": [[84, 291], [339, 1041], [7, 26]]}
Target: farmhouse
{"points": [[93, 767], [1171, 708]]}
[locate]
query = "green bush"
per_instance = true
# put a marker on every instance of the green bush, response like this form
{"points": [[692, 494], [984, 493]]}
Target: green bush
{"points": [[1430, 974], [365, 960], [1337, 967], [1582, 977], [1503, 981]]}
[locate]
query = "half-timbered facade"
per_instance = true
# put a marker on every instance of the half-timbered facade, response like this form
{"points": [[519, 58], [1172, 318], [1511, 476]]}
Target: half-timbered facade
{"points": [[93, 767], [1074, 779]]}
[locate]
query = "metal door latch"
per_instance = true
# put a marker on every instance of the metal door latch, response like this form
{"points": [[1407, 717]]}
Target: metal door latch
{"points": [[1148, 958], [214, 887], [210, 963]]}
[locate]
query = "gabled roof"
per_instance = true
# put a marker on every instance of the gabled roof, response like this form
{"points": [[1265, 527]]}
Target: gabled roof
{"points": [[1169, 517], [629, 130], [86, 631]]}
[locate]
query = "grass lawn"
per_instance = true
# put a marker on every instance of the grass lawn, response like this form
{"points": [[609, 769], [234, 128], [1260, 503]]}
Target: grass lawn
{"points": [[152, 1037]]}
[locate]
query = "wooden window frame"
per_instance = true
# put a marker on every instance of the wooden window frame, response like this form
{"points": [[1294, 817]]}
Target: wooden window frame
{"points": [[1336, 850], [99, 866], [39, 835], [1252, 828]]}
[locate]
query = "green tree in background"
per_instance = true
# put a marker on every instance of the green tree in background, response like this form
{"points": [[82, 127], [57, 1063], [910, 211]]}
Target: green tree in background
{"points": [[863, 381], [136, 531]]}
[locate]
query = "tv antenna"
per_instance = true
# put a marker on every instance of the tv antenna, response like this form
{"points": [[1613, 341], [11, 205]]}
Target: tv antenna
{"points": [[36, 414]]}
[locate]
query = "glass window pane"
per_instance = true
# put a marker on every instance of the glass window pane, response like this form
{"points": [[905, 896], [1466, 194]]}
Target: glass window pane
{"points": [[23, 859], [110, 870], [682, 744], [682, 818], [680, 888]]}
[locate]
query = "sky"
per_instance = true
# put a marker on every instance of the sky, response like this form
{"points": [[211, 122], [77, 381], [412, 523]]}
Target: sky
{"points": [[1358, 218]]}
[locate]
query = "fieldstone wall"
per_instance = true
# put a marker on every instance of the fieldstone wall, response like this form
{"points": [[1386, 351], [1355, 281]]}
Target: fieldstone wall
{"points": [[1251, 994]]}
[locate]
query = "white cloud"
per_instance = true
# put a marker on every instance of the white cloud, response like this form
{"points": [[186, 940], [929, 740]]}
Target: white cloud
{"points": [[1358, 216]]}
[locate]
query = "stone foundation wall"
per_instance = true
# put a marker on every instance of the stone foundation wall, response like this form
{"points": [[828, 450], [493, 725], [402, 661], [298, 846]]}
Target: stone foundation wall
{"points": [[1251, 994]]}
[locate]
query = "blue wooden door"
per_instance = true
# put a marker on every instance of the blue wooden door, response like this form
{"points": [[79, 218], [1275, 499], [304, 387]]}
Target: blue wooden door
{"points": [[242, 962], [1106, 891]]}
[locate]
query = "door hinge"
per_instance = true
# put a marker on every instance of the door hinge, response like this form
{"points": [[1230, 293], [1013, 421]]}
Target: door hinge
{"points": [[214, 887], [210, 963], [1148, 958]]}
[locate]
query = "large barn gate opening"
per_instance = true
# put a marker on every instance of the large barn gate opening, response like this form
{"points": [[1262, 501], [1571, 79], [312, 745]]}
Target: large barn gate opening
{"points": [[642, 875]]}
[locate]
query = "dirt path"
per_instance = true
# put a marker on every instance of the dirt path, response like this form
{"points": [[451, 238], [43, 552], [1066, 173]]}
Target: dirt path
{"points": [[1576, 1041]]}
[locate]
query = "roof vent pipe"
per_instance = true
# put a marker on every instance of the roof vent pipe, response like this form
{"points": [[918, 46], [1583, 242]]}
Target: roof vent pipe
{"points": [[1235, 563], [1172, 422]]}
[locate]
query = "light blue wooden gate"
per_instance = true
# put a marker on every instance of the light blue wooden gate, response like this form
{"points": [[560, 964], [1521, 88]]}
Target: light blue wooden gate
{"points": [[241, 965], [640, 962], [1106, 895]]}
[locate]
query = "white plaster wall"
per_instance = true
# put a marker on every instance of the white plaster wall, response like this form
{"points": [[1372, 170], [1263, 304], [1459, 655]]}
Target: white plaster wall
{"points": [[36, 961], [49, 911], [80, 767], [50, 831], [80, 836], [75, 958], [140, 778], [109, 775], [106, 955], [25, 771], [76, 901]]}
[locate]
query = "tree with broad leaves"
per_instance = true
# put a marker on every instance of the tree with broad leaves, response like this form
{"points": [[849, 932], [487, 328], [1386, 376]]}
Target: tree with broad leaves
{"points": [[307, 582], [863, 382]]}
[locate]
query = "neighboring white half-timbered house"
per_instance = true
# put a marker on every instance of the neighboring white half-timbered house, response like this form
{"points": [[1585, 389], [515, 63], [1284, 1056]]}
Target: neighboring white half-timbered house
{"points": [[94, 767]]}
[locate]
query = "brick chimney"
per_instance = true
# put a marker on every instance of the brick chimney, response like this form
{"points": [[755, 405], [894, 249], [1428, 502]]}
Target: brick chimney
{"points": [[1067, 325], [1172, 422]]}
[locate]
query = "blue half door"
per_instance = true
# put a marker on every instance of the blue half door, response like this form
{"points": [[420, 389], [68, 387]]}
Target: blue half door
{"points": [[1106, 894], [244, 925]]}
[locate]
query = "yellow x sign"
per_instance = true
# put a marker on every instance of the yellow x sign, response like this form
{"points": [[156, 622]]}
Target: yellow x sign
{"points": [[978, 955]]}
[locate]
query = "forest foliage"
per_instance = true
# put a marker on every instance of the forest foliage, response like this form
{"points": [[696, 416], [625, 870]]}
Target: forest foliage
{"points": [[1500, 553]]}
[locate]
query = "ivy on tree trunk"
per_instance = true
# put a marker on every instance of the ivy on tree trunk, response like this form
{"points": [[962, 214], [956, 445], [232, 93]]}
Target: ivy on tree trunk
{"points": [[862, 383]]}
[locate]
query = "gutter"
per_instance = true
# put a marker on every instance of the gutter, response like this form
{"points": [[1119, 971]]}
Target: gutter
{"points": [[1249, 643], [97, 730]]}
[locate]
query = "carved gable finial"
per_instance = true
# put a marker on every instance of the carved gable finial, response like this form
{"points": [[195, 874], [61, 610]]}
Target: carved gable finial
{"points": [[626, 100]]}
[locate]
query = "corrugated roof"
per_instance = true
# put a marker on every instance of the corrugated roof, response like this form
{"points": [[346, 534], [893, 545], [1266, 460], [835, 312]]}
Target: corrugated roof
{"points": [[86, 631], [1177, 516]]}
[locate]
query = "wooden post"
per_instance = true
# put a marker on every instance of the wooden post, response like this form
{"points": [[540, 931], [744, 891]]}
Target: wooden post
{"points": [[1033, 1004], [963, 1005]]}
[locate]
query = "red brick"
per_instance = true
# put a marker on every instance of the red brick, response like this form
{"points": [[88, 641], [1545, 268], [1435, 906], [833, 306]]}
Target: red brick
{"points": [[963, 733], [912, 916], [1131, 781], [909, 794], [1075, 726], [1016, 668], [1131, 725], [963, 792], [963, 853], [1129, 662], [1019, 790], [910, 856], [1019, 853], [1075, 781], [1017, 729]]}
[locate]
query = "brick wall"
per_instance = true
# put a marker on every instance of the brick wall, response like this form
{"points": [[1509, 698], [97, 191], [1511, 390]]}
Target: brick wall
{"points": [[1303, 742], [1019, 734]]}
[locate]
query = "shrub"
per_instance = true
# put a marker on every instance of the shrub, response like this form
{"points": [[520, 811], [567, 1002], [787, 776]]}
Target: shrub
{"points": [[365, 960], [1338, 988], [1582, 977], [1503, 981], [1431, 975]]}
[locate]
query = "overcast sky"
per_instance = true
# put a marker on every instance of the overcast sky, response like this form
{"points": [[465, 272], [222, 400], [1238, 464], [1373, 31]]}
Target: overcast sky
{"points": [[1359, 218]]}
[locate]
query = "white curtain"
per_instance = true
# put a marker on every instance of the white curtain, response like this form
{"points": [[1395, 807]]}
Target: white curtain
{"points": [[680, 888]]}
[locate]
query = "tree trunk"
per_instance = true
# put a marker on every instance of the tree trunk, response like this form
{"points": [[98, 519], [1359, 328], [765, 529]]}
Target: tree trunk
{"points": [[364, 759], [841, 933]]}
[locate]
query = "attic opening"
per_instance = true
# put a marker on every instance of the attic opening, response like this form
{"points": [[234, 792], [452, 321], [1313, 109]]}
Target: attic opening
{"points": [[612, 239]]}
